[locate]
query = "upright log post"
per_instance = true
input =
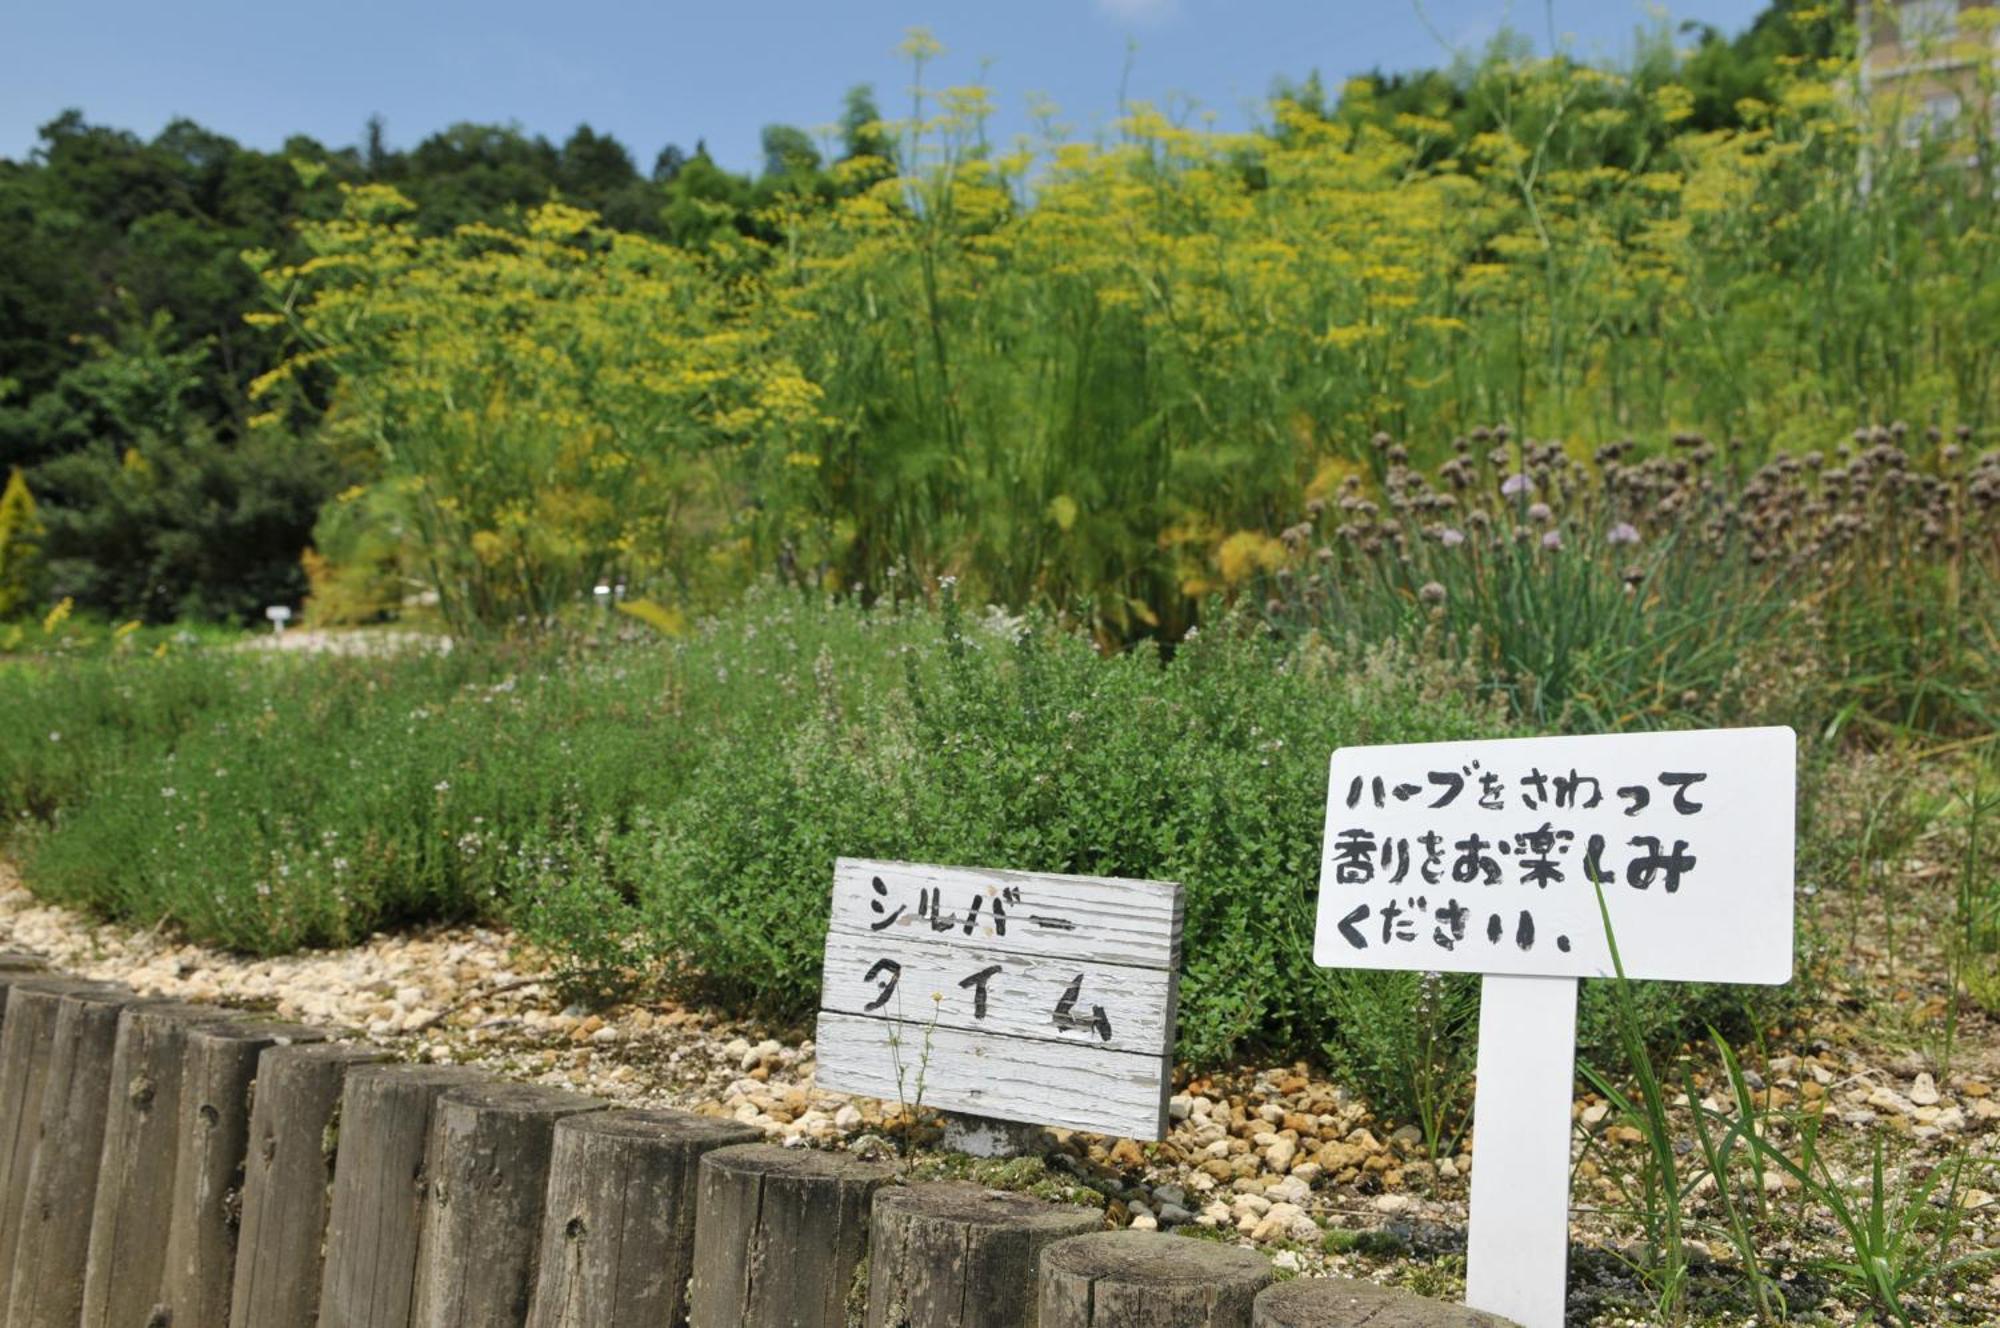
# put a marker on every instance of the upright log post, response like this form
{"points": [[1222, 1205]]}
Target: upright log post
{"points": [[26, 1040], [783, 1232], [618, 1230], [46, 1289], [1144, 1279], [293, 1140], [381, 1190], [489, 1165], [214, 1129], [955, 1255], [135, 1178]]}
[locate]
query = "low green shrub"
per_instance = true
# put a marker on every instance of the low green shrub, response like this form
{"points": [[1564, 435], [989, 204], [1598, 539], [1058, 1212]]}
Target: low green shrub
{"points": [[1028, 748], [656, 809]]}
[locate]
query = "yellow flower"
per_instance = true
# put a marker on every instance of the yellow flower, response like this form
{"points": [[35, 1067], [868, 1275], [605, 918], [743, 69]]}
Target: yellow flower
{"points": [[1247, 552]]}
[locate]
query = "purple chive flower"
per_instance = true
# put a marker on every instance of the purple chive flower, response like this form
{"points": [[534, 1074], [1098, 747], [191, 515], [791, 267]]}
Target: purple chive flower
{"points": [[1539, 512], [1451, 537], [1552, 539], [1622, 533], [1518, 482]]}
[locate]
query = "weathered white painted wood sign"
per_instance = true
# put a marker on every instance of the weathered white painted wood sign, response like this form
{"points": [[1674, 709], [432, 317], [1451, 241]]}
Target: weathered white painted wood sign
{"points": [[1009, 995], [1489, 857]]}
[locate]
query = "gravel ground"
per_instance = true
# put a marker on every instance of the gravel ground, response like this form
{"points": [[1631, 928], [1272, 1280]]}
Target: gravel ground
{"points": [[1275, 1156], [345, 641]]}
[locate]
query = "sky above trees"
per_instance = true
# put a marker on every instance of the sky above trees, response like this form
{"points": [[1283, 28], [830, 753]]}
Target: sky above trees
{"points": [[678, 73]]}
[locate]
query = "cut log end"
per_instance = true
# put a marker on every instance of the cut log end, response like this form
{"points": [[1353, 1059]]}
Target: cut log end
{"points": [[978, 1208], [949, 1254], [1340, 1302], [1142, 1279]]}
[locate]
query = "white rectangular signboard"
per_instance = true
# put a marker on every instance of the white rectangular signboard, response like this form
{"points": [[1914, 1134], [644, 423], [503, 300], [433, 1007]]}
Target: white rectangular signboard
{"points": [[1480, 857], [1011, 995], [1488, 857]]}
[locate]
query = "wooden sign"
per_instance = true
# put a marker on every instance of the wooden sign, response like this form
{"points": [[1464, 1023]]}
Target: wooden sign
{"points": [[1491, 857], [1010, 995]]}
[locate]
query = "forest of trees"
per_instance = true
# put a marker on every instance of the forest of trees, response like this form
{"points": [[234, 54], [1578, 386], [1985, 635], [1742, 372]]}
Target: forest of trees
{"points": [[125, 355]]}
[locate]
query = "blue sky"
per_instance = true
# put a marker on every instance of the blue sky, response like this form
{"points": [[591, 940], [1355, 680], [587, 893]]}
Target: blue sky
{"points": [[659, 73]]}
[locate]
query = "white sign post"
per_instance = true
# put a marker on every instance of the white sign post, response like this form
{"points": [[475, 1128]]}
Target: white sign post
{"points": [[1488, 857], [279, 616], [1012, 996]]}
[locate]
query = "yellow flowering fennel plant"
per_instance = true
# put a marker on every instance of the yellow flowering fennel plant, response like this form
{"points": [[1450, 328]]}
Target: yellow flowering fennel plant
{"points": [[1105, 376], [546, 405]]}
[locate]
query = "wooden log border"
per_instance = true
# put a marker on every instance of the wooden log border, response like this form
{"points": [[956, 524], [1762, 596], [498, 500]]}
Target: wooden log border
{"points": [[815, 1216]]}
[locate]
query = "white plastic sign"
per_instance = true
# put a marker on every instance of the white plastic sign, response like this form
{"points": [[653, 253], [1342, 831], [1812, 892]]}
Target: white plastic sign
{"points": [[1489, 857], [1008, 995], [1480, 857]]}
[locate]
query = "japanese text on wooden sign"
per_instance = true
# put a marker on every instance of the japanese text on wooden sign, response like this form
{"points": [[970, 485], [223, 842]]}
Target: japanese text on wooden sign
{"points": [[1011, 995], [1484, 856]]}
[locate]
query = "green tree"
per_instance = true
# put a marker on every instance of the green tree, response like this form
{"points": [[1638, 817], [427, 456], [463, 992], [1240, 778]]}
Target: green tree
{"points": [[788, 152], [146, 508], [703, 200], [184, 527], [668, 164], [862, 132]]}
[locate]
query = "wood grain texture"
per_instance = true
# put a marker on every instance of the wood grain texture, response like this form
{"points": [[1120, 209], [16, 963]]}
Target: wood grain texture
{"points": [[954, 1255], [1144, 1279], [618, 1229], [287, 1178], [1106, 921], [1047, 1083], [1021, 998], [782, 1235], [380, 1191], [135, 1182], [479, 1251], [14, 966], [1039, 998], [218, 1068], [26, 1039], [46, 1289], [1341, 1302]]}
